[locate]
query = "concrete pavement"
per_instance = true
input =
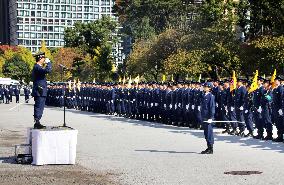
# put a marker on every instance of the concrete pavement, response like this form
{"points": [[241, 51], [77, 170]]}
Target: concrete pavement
{"points": [[139, 152]]}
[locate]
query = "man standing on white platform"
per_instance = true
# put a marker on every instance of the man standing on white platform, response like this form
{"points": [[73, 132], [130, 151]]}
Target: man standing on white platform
{"points": [[39, 92]]}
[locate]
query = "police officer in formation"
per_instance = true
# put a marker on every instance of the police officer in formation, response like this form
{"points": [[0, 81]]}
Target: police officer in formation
{"points": [[182, 104], [27, 93]]}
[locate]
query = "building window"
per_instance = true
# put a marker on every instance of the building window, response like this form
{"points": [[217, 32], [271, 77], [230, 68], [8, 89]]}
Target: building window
{"points": [[38, 28], [26, 28], [50, 7], [20, 27], [56, 36], [38, 14], [45, 7], [56, 14], [44, 28], [50, 14], [26, 35], [33, 6], [57, 7], [96, 9], [74, 1], [79, 8], [44, 14], [50, 28], [32, 13], [39, 7], [79, 15], [39, 36], [20, 42], [20, 5], [33, 35], [20, 35], [27, 6], [96, 2], [32, 28]]}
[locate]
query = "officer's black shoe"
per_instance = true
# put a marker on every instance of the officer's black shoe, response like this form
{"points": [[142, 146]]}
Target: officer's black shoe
{"points": [[209, 150], [278, 139], [39, 126], [250, 134], [268, 137], [258, 137], [226, 131], [242, 134], [233, 132]]}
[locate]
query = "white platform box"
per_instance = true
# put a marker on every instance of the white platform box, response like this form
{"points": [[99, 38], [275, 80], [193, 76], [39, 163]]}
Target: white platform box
{"points": [[54, 145]]}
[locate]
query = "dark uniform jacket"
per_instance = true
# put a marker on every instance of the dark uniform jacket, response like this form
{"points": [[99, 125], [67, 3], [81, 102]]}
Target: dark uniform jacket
{"points": [[39, 80]]}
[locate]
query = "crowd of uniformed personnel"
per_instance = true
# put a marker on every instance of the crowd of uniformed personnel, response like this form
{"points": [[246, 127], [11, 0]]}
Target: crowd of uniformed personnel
{"points": [[179, 103], [8, 91]]}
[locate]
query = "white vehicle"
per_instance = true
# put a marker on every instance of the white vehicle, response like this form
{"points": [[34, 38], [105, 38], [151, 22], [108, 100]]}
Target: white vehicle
{"points": [[8, 81]]}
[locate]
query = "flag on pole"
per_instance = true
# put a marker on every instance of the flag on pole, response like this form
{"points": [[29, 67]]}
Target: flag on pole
{"points": [[172, 78], [254, 84], [79, 84], [273, 79], [119, 79], [69, 85], [137, 79], [129, 82], [94, 80], [199, 79], [163, 78], [233, 84], [124, 80]]}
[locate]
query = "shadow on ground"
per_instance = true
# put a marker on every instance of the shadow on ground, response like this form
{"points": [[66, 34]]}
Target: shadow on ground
{"points": [[254, 143]]}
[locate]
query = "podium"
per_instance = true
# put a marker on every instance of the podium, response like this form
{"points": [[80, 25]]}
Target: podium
{"points": [[53, 145]]}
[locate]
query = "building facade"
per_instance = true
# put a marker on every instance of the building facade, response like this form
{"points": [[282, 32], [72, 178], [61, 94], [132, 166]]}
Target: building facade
{"points": [[32, 21]]}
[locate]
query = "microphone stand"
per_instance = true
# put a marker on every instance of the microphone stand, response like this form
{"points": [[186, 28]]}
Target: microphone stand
{"points": [[64, 94]]}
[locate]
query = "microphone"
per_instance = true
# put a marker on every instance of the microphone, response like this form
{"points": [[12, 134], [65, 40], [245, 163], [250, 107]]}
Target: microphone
{"points": [[63, 67]]}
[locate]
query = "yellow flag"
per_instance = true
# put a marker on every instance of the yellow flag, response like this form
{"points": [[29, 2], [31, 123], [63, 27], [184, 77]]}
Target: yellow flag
{"points": [[94, 80], [172, 79], [163, 78], [119, 80], [199, 79], [129, 82], [124, 80], [137, 79], [233, 84], [69, 85], [79, 84], [254, 84], [273, 79]]}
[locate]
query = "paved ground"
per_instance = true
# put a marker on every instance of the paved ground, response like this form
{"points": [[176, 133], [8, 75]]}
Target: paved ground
{"points": [[136, 152]]}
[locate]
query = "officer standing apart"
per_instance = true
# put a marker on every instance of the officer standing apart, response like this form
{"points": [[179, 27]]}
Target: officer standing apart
{"points": [[207, 114], [39, 92]]}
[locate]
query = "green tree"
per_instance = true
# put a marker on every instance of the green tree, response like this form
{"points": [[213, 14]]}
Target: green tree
{"points": [[88, 36], [16, 68]]}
